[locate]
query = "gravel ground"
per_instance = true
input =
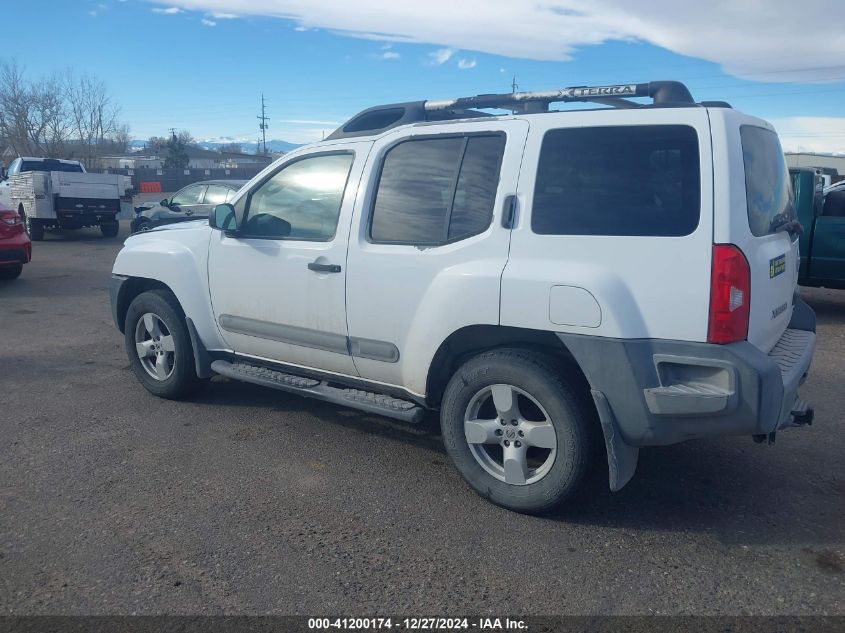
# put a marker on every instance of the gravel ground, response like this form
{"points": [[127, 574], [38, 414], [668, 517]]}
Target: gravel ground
{"points": [[247, 500]]}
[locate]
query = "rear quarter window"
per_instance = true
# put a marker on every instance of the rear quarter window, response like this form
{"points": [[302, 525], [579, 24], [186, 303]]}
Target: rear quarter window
{"points": [[768, 187], [623, 180]]}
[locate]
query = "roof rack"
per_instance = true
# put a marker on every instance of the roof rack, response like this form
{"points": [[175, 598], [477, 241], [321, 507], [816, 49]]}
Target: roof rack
{"points": [[384, 117]]}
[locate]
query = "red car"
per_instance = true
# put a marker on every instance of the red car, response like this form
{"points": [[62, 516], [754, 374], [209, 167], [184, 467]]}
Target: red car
{"points": [[15, 247]]}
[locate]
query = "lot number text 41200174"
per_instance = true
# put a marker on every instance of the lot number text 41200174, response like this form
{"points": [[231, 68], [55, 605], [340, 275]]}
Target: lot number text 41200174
{"points": [[416, 624]]}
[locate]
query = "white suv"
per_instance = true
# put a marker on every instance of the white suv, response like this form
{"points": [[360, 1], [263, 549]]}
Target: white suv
{"points": [[543, 279]]}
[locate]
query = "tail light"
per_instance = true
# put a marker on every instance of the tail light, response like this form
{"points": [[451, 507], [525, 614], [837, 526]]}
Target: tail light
{"points": [[730, 295], [10, 224]]}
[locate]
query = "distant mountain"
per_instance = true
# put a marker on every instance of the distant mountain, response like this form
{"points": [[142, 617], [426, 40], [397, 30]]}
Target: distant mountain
{"points": [[275, 145], [251, 148]]}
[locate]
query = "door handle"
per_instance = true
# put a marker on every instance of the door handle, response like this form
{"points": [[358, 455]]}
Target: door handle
{"points": [[509, 212], [324, 268]]}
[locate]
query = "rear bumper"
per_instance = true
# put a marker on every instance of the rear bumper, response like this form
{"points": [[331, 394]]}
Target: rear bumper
{"points": [[79, 219], [663, 392], [14, 251]]}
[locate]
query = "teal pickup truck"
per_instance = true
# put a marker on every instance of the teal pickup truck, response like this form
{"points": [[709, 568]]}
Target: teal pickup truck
{"points": [[822, 242]]}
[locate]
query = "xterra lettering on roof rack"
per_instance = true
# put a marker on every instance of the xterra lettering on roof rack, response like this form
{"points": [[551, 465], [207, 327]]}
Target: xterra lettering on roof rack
{"points": [[381, 118]]}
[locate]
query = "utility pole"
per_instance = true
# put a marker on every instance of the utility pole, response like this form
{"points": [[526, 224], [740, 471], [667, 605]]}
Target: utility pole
{"points": [[514, 85], [173, 132], [263, 125]]}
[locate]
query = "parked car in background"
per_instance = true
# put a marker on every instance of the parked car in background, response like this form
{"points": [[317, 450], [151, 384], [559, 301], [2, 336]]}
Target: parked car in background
{"points": [[15, 247], [193, 202], [837, 186], [52, 193], [821, 212]]}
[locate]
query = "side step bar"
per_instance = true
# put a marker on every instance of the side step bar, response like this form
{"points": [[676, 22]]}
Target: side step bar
{"points": [[377, 403]]}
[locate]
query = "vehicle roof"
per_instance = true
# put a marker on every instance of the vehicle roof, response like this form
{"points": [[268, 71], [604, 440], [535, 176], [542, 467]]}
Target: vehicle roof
{"points": [[228, 183], [42, 159], [372, 122]]}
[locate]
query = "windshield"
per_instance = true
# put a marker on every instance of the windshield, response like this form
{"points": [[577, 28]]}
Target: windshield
{"points": [[768, 188], [49, 165]]}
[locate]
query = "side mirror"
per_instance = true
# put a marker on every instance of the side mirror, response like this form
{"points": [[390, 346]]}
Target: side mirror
{"points": [[165, 203], [223, 218]]}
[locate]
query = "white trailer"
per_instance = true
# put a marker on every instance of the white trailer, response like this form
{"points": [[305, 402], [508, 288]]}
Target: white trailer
{"points": [[49, 193]]}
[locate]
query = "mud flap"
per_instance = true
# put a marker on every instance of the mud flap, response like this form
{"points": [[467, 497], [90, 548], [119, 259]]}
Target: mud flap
{"points": [[202, 360], [621, 458]]}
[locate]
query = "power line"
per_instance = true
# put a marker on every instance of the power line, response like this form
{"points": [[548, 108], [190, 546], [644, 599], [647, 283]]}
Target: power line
{"points": [[263, 125]]}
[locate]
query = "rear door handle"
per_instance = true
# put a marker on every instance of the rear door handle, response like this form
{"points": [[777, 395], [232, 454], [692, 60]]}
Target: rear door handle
{"points": [[509, 212], [324, 268]]}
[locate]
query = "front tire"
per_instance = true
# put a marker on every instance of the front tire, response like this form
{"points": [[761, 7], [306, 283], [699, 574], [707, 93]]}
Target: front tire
{"points": [[159, 347], [141, 225], [517, 429]]}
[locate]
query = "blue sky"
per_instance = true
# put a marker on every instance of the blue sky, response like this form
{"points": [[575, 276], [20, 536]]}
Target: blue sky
{"points": [[202, 65]]}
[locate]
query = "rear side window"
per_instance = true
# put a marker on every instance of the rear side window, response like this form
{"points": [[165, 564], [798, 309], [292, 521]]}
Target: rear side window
{"points": [[188, 195], [50, 165], [436, 190], [768, 189], [215, 194], [626, 180]]}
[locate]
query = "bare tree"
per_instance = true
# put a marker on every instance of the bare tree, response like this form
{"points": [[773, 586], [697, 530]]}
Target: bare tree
{"points": [[73, 117], [120, 138], [157, 143], [93, 115], [33, 117]]}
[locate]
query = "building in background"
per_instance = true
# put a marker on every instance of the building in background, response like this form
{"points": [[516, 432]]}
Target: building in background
{"points": [[830, 164]]}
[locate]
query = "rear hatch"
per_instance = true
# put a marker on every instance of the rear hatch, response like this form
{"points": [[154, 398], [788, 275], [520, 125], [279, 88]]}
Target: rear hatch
{"points": [[772, 247]]}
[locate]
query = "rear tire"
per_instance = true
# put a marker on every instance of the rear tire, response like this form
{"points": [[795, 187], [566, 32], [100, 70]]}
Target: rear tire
{"points": [[517, 430], [159, 347], [110, 229], [11, 272], [34, 228]]}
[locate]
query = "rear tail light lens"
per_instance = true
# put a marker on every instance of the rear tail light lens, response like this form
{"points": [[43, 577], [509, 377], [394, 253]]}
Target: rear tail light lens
{"points": [[730, 295]]}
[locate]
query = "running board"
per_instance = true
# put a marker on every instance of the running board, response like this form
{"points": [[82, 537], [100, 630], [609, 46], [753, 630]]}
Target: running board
{"points": [[377, 403]]}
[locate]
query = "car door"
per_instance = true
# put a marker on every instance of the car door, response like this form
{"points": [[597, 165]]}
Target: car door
{"points": [[827, 258], [185, 203], [429, 245], [277, 284]]}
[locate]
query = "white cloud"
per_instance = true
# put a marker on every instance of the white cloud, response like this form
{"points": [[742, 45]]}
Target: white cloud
{"points": [[811, 134], [466, 64], [167, 11], [765, 41], [224, 16], [207, 22], [440, 56], [389, 55]]}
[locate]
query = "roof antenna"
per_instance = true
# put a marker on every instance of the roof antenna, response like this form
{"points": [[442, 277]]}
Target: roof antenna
{"points": [[514, 85]]}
